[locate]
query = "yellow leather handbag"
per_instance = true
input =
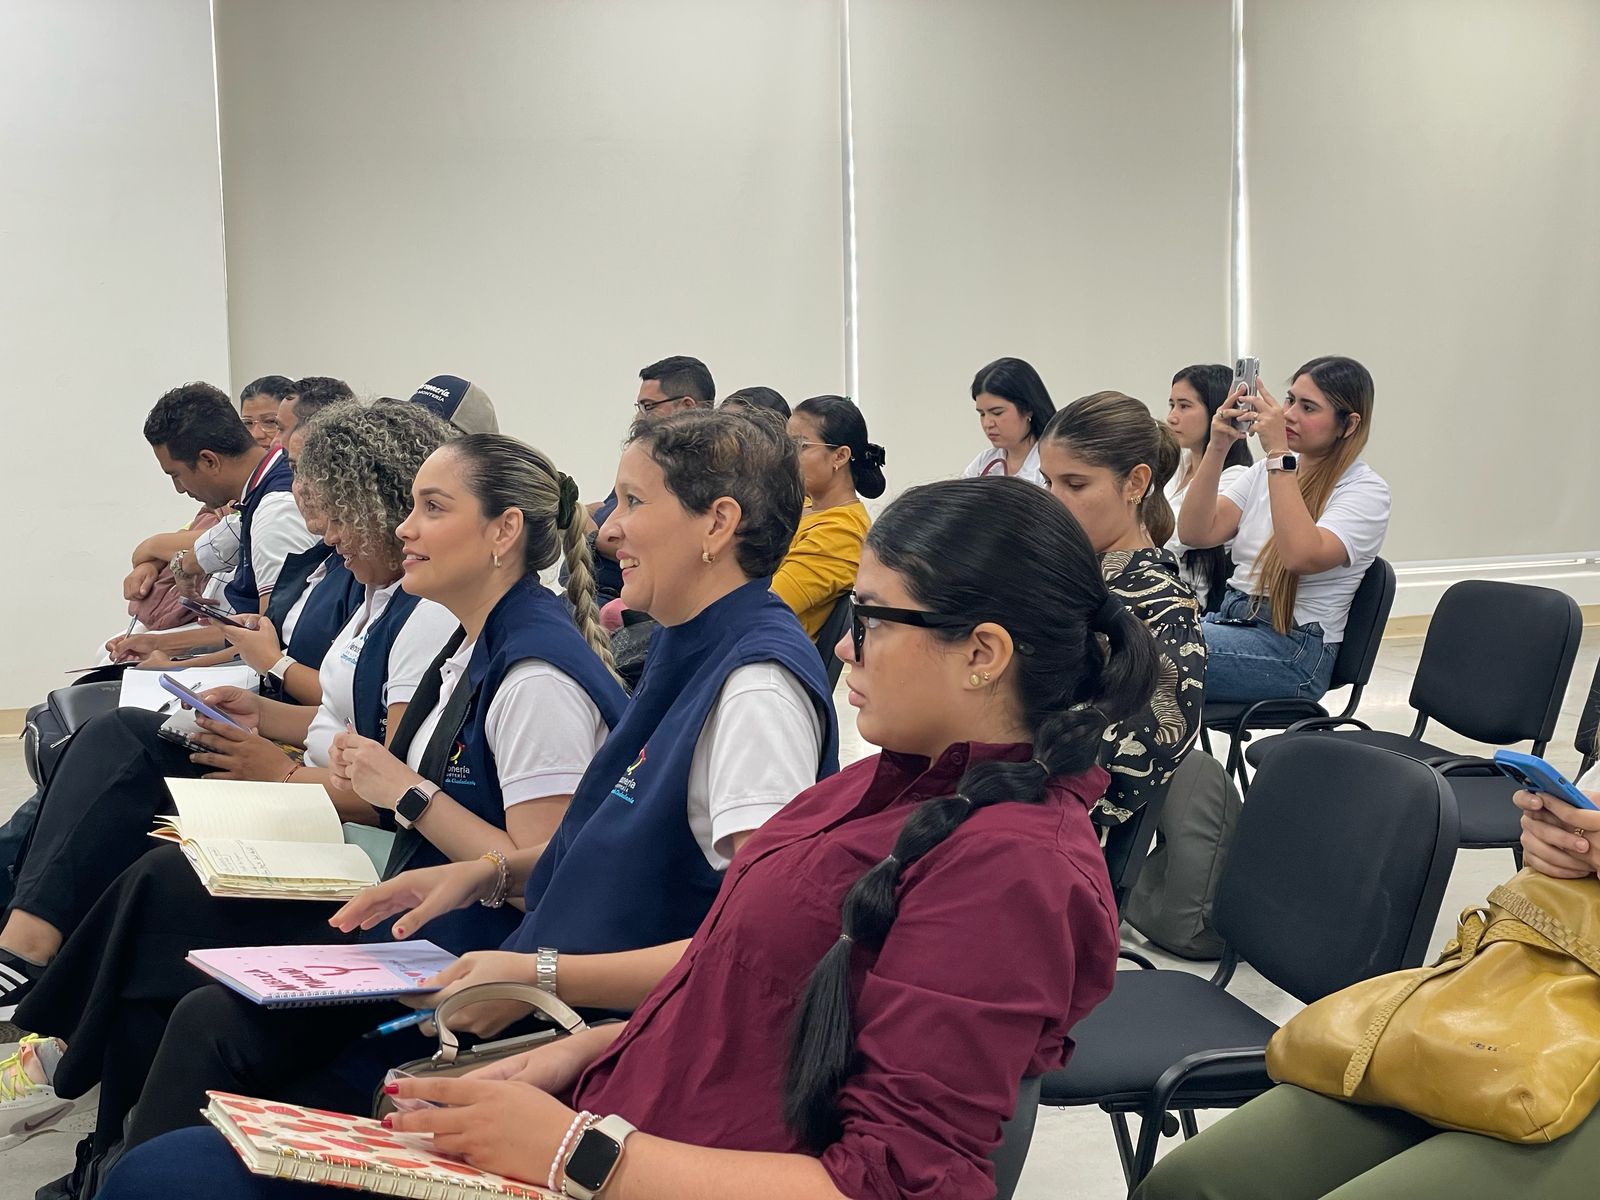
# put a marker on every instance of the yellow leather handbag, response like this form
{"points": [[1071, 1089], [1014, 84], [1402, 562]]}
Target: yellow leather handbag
{"points": [[1500, 1036]]}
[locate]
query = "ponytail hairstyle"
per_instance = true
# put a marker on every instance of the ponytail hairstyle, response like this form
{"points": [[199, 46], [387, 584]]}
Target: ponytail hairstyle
{"points": [[744, 454], [503, 473], [843, 425], [1083, 662], [1015, 380], [1212, 382], [1348, 387], [1117, 432]]}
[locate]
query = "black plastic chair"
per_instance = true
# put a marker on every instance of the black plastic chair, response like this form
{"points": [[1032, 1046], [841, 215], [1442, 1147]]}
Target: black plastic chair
{"points": [[1587, 742], [1352, 668], [1494, 668], [828, 637], [1303, 899], [1016, 1135], [1128, 845]]}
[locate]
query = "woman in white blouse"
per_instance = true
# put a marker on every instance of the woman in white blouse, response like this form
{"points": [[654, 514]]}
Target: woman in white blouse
{"points": [[1013, 408], [1197, 393], [1305, 522]]}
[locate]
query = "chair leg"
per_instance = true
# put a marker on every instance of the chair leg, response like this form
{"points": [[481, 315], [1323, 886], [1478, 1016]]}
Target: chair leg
{"points": [[1186, 1118], [1119, 1128]]}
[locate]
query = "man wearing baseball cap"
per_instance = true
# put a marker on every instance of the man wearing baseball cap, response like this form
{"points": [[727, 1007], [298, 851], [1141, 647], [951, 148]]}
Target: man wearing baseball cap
{"points": [[458, 401]]}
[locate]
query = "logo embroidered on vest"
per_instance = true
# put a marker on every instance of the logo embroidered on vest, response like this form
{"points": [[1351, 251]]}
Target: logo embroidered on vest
{"points": [[625, 786], [455, 771]]}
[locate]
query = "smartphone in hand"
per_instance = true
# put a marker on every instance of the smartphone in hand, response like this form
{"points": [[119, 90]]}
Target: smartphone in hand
{"points": [[192, 698], [1536, 775], [211, 612], [1245, 371]]}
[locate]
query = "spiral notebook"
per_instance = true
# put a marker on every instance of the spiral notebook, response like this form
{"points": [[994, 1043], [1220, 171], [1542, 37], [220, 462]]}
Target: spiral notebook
{"points": [[285, 1141], [310, 976]]}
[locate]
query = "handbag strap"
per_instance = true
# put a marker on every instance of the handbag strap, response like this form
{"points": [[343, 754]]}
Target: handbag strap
{"points": [[1552, 928], [1469, 937], [526, 993]]}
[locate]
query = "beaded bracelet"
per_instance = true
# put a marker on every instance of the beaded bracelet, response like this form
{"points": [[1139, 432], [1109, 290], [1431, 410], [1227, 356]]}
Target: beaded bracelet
{"points": [[502, 883], [581, 1121]]}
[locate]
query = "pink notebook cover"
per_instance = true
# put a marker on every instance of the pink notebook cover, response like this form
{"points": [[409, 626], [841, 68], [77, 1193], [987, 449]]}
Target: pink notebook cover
{"points": [[298, 976], [353, 1151]]}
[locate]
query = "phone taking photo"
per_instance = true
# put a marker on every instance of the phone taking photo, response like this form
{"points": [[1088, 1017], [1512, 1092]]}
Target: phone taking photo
{"points": [[1245, 371]]}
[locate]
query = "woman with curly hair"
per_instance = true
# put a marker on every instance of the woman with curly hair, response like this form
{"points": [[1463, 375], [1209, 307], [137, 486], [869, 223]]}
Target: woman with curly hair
{"points": [[95, 818], [480, 769]]}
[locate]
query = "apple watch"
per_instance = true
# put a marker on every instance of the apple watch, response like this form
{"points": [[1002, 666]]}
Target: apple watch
{"points": [[409, 808], [594, 1159], [1283, 462], [280, 669]]}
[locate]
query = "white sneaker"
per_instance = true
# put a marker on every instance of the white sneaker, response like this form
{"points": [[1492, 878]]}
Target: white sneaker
{"points": [[28, 1106]]}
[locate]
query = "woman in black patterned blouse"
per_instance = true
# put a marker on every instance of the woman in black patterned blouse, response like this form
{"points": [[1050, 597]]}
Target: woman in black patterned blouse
{"points": [[1108, 460]]}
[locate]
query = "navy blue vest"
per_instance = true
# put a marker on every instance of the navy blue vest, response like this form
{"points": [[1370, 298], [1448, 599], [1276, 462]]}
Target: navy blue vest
{"points": [[372, 665], [528, 622], [607, 575], [332, 602], [241, 591], [624, 870]]}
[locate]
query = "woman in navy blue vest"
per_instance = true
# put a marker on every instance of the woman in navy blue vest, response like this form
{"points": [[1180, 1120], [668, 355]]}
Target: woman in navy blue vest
{"points": [[732, 719], [96, 814], [492, 744]]}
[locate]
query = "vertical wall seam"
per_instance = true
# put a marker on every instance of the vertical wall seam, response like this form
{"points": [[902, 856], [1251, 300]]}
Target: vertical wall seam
{"points": [[222, 205], [1240, 332], [852, 302]]}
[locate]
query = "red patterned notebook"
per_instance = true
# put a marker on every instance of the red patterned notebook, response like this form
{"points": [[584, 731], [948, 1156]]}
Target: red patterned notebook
{"points": [[286, 1141]]}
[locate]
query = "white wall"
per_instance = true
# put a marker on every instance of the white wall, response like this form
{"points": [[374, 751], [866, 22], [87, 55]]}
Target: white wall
{"points": [[111, 252], [1425, 196], [542, 197], [1044, 180]]}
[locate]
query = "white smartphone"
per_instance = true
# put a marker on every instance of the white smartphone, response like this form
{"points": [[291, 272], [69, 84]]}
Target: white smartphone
{"points": [[1245, 371]]}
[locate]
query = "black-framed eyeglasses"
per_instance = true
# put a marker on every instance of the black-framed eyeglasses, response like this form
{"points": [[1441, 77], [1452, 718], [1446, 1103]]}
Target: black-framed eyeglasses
{"points": [[864, 617], [649, 406]]}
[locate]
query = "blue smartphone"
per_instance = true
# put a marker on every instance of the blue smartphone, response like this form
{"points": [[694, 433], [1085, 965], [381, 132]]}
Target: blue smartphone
{"points": [[1536, 775], [192, 698]]}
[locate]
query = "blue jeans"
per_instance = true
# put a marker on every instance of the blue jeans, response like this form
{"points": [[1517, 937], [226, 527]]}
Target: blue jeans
{"points": [[1248, 660], [197, 1163]]}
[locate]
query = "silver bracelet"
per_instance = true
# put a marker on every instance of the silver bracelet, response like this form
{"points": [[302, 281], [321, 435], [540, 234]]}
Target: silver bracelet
{"points": [[502, 883]]}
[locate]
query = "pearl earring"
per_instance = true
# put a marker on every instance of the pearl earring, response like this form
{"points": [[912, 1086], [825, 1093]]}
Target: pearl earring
{"points": [[973, 679]]}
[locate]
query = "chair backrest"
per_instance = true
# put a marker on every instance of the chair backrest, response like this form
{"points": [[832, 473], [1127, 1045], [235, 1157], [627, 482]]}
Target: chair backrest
{"points": [[1338, 865], [1016, 1135], [1363, 630], [1127, 845], [1588, 739], [828, 637], [1497, 659]]}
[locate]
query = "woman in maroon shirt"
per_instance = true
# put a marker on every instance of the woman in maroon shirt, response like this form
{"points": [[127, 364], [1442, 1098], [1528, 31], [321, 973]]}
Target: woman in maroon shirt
{"points": [[895, 951]]}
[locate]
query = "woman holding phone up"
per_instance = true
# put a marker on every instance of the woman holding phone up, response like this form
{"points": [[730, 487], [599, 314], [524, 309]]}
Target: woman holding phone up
{"points": [[1305, 521]]}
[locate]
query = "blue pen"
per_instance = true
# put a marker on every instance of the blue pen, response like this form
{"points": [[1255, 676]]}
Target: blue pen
{"points": [[399, 1023]]}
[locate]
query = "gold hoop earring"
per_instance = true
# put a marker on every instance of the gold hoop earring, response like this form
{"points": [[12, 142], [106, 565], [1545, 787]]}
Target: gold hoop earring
{"points": [[707, 557], [496, 562]]}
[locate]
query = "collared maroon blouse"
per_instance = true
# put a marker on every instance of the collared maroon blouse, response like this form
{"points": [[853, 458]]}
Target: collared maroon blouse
{"points": [[1006, 937]]}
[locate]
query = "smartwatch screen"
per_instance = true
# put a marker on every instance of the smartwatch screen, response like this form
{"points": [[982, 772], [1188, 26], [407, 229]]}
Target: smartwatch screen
{"points": [[592, 1160]]}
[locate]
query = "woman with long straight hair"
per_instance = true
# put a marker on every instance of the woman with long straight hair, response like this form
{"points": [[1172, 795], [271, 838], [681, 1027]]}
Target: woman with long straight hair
{"points": [[1306, 522], [1197, 393], [800, 1045], [1107, 459]]}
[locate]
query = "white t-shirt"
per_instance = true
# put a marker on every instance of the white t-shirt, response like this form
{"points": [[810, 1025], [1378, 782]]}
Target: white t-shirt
{"points": [[292, 617], [992, 462], [1175, 494], [758, 750], [543, 728], [424, 634], [277, 530], [1357, 514]]}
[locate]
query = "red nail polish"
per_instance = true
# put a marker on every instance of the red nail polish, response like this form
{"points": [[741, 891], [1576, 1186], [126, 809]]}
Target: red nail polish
{"points": [[387, 1121], [391, 1089]]}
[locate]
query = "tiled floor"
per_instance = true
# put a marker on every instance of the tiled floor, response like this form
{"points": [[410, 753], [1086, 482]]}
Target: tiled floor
{"points": [[1072, 1156]]}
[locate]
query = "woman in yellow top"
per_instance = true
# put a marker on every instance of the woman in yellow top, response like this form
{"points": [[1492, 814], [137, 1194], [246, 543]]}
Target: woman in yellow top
{"points": [[836, 463]]}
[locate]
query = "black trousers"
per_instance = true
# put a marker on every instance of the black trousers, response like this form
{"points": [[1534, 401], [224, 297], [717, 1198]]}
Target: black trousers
{"points": [[216, 1039], [111, 990], [95, 816]]}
